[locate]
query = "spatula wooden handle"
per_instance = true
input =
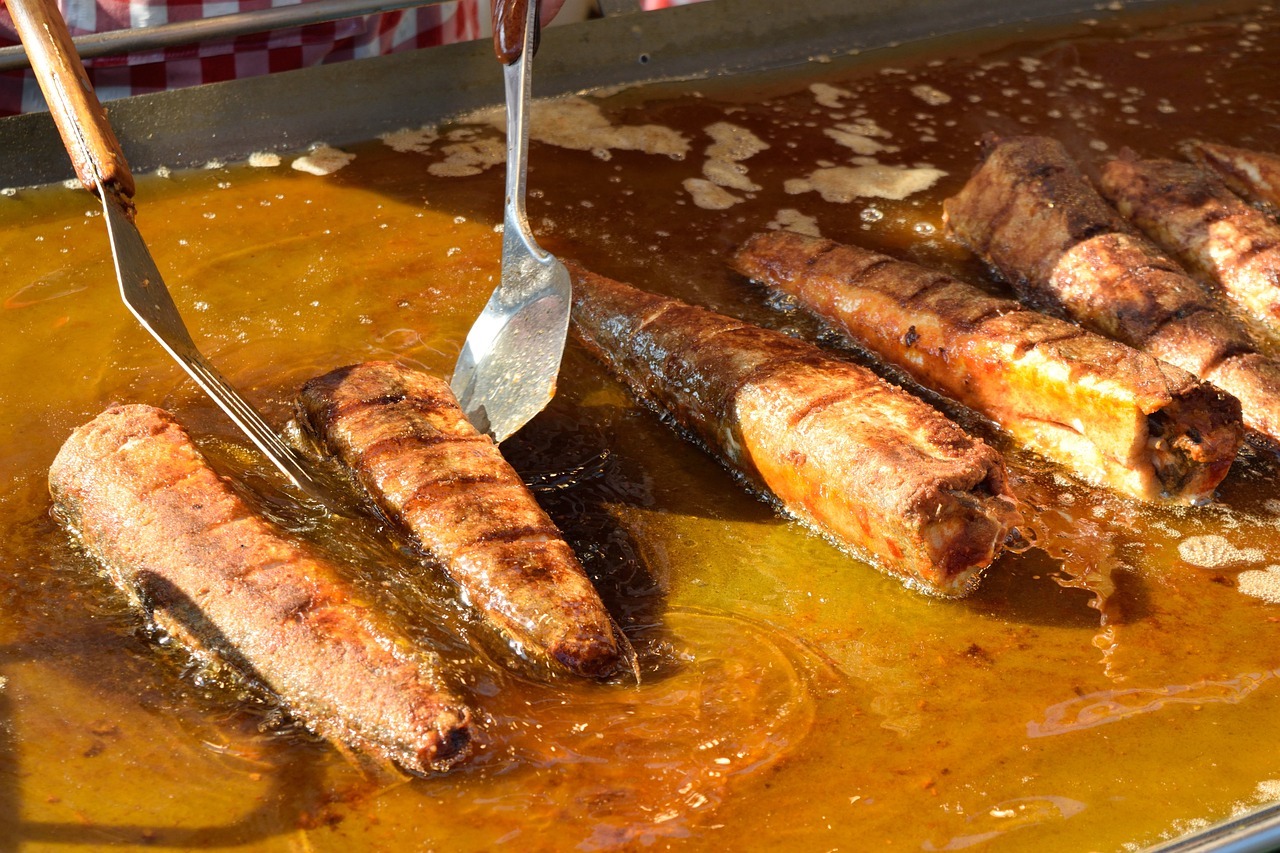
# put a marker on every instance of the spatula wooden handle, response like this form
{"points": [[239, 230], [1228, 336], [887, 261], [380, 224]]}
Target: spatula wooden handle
{"points": [[76, 110], [509, 22]]}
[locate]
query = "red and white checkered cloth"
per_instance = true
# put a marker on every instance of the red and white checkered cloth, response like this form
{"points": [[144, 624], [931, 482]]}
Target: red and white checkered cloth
{"points": [[246, 56]]}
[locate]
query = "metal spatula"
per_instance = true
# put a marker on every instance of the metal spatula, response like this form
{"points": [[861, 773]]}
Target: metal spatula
{"points": [[101, 166], [507, 370]]}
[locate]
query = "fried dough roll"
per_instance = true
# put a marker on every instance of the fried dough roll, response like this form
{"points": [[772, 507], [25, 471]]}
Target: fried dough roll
{"points": [[227, 583], [1252, 174], [867, 464], [404, 436], [1032, 214], [1194, 217], [1114, 415]]}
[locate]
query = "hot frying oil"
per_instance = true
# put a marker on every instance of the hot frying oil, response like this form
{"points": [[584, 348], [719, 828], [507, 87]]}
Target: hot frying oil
{"points": [[1113, 686]]}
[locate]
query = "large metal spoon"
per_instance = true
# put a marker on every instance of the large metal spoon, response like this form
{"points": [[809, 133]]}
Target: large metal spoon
{"points": [[506, 372]]}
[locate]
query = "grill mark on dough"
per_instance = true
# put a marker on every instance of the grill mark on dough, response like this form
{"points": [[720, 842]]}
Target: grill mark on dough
{"points": [[1256, 247], [425, 404], [217, 525], [938, 282], [662, 308], [823, 401], [1213, 215], [1188, 311], [187, 473], [989, 314], [436, 489], [395, 444], [880, 262], [735, 327], [1063, 337], [1132, 271], [770, 365], [245, 574], [528, 532], [341, 409], [822, 251]]}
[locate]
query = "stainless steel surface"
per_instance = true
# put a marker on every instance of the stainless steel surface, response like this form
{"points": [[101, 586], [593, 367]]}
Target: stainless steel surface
{"points": [[506, 372], [217, 28], [1254, 832]]}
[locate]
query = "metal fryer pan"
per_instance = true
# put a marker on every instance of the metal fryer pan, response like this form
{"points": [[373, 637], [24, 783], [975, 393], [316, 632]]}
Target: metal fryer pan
{"points": [[362, 99], [228, 121]]}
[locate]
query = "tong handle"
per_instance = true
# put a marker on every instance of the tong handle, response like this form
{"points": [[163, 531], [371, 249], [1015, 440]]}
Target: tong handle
{"points": [[510, 18], [81, 120]]}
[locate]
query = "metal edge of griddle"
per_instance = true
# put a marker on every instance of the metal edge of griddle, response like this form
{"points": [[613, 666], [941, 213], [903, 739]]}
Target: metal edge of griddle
{"points": [[358, 100], [1257, 831], [355, 101]]}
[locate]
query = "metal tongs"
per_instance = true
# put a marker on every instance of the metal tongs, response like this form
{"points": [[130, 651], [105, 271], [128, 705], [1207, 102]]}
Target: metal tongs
{"points": [[100, 164], [506, 372]]}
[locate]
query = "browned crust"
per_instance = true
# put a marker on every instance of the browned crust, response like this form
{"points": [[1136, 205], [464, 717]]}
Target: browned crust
{"points": [[1194, 217], [403, 434], [1255, 175], [1031, 213], [872, 467], [174, 535], [1115, 415]]}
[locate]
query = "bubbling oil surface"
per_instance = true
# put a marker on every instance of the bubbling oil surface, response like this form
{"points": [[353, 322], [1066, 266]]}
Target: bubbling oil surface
{"points": [[1109, 688]]}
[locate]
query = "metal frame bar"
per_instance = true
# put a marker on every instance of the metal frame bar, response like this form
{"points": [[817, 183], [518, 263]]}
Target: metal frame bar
{"points": [[618, 7], [218, 28]]}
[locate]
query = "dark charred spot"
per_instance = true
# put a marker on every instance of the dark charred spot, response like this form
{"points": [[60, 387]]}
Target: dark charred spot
{"points": [[1093, 229], [429, 493], [1210, 217], [979, 654], [796, 459], [1256, 247], [819, 403], [515, 534], [872, 268]]}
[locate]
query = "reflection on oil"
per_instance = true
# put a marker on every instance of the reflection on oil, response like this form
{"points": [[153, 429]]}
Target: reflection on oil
{"points": [[729, 700], [55, 285], [1010, 816], [1113, 706]]}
